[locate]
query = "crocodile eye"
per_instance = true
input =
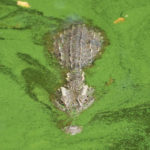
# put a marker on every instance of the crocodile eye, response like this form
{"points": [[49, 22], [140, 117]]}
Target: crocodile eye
{"points": [[61, 102]]}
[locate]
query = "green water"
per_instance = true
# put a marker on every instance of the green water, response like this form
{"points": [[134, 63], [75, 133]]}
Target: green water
{"points": [[119, 119]]}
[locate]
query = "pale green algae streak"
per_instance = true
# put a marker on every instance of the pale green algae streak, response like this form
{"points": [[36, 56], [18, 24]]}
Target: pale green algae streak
{"points": [[118, 119]]}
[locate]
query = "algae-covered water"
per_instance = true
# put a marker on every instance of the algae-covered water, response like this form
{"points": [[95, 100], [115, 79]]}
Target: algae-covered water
{"points": [[119, 119]]}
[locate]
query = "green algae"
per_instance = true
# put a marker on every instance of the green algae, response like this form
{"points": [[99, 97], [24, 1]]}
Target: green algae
{"points": [[119, 118]]}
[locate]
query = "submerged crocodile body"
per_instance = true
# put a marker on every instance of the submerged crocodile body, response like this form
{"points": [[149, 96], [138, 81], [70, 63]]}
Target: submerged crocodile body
{"points": [[76, 48]]}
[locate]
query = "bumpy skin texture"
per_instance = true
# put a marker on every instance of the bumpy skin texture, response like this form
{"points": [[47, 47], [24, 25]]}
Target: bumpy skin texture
{"points": [[76, 48]]}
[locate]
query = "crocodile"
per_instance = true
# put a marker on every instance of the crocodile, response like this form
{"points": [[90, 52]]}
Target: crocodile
{"points": [[76, 48]]}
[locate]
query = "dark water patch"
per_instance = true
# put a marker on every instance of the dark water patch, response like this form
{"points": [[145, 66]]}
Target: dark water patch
{"points": [[39, 75], [130, 143], [44, 78], [8, 2], [11, 14], [31, 61], [8, 71], [1, 38], [139, 116], [137, 113]]}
